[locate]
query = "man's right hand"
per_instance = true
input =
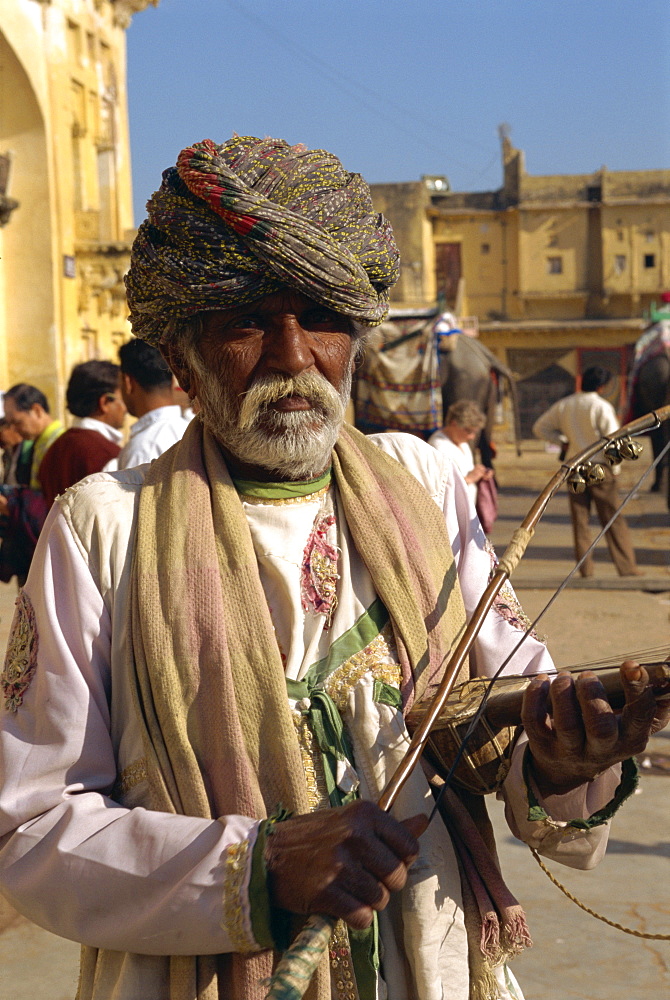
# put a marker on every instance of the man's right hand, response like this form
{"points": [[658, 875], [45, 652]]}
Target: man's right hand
{"points": [[341, 862]]}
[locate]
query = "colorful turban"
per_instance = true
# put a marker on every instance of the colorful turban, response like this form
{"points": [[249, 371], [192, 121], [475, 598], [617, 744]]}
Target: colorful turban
{"points": [[233, 223]]}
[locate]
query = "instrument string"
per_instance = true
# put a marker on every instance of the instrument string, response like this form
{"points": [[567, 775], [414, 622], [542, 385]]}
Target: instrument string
{"points": [[596, 667], [614, 659]]}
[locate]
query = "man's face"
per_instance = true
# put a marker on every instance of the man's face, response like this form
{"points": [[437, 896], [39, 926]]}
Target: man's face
{"points": [[113, 409], [28, 423], [273, 380], [461, 435], [9, 436]]}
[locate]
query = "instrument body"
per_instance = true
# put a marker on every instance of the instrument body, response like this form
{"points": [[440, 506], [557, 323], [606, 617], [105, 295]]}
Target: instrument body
{"points": [[485, 764]]}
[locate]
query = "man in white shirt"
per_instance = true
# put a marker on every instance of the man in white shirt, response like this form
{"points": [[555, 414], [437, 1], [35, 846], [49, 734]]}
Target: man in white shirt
{"points": [[146, 385], [574, 423]]}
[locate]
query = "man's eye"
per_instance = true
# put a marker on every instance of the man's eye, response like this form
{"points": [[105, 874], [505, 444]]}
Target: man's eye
{"points": [[324, 317], [245, 323]]}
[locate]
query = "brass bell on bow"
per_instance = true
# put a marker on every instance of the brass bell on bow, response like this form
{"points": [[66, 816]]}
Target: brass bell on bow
{"points": [[593, 473], [576, 481], [626, 449], [588, 474]]}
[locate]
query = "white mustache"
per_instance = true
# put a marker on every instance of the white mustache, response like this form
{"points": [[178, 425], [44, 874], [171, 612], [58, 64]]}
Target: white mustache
{"points": [[269, 388]]}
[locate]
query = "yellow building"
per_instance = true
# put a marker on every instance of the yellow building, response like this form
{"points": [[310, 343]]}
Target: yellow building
{"points": [[65, 187], [558, 271]]}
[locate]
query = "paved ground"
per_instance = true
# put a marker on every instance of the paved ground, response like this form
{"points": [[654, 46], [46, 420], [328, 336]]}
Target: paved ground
{"points": [[575, 957]]}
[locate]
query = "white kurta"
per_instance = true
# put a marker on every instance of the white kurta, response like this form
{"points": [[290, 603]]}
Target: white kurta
{"points": [[79, 857], [460, 454], [151, 435]]}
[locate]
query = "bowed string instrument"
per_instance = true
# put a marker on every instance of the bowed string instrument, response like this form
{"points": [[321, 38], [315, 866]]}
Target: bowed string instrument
{"points": [[475, 712]]}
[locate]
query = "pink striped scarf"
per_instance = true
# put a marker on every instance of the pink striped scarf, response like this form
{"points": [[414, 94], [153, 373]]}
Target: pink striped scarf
{"points": [[209, 679]]}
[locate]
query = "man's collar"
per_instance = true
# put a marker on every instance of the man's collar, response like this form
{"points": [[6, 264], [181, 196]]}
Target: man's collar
{"points": [[169, 412], [281, 491], [48, 430], [93, 424]]}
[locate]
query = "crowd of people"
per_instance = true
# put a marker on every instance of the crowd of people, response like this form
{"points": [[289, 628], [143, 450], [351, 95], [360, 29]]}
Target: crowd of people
{"points": [[41, 459], [212, 660]]}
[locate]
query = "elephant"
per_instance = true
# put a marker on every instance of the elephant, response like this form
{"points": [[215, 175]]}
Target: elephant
{"points": [[469, 370], [411, 372], [649, 388]]}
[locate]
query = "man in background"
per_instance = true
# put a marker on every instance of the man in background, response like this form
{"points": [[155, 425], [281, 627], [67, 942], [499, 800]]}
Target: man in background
{"points": [[16, 459], [94, 441], [27, 410], [146, 386], [574, 423], [16, 455], [24, 508]]}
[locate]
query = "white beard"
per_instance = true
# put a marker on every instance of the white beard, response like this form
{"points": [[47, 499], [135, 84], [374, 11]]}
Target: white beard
{"points": [[294, 444]]}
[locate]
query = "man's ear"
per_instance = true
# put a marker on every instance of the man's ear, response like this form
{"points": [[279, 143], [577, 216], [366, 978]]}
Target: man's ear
{"points": [[174, 357], [101, 407]]}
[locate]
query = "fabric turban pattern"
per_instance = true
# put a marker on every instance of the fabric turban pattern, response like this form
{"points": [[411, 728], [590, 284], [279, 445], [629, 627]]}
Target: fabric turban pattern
{"points": [[233, 223]]}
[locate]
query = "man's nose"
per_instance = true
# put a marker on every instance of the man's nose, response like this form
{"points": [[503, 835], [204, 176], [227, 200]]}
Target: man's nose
{"points": [[288, 347]]}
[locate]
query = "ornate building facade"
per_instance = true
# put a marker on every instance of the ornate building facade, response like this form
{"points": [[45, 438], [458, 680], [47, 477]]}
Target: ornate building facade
{"points": [[557, 272], [65, 187]]}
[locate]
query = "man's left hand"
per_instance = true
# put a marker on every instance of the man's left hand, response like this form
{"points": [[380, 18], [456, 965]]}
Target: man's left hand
{"points": [[575, 735]]}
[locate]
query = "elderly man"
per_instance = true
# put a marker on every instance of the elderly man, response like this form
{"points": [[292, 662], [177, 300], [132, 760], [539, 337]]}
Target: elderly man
{"points": [[208, 667]]}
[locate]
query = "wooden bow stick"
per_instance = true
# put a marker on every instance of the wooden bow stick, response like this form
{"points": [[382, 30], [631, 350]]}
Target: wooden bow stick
{"points": [[295, 970]]}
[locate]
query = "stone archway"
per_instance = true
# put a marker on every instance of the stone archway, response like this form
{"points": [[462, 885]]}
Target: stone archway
{"points": [[26, 265]]}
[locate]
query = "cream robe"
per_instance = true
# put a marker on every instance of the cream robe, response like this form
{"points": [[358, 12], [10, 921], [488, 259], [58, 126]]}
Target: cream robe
{"points": [[79, 858]]}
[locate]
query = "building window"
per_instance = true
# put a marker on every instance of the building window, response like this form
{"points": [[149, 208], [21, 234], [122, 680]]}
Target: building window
{"points": [[486, 247], [649, 236], [448, 269], [620, 263], [553, 240], [554, 265], [619, 235], [650, 260], [74, 43]]}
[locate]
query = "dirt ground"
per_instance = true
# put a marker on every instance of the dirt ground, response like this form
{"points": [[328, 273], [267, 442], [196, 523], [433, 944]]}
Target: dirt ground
{"points": [[584, 626]]}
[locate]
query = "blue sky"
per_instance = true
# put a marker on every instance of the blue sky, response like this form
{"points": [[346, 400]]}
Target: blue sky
{"points": [[401, 88]]}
